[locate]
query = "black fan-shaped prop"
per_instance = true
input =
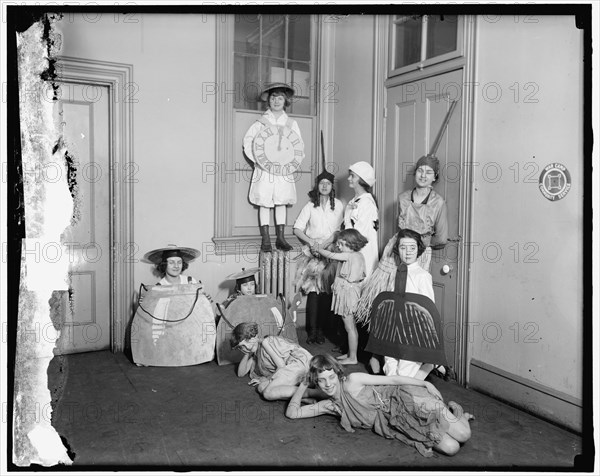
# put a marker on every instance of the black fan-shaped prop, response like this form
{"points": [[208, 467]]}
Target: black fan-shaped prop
{"points": [[406, 326]]}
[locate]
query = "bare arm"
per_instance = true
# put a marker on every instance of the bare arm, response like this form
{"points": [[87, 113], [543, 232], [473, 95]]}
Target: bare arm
{"points": [[330, 254], [296, 410], [358, 379], [246, 365]]}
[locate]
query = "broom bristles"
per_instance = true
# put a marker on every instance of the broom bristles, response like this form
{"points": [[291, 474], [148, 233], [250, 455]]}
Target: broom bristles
{"points": [[383, 279]]}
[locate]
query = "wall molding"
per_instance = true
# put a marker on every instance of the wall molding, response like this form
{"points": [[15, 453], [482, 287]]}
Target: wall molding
{"points": [[532, 397]]}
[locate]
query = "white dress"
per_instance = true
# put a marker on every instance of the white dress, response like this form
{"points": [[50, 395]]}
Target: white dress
{"points": [[266, 189], [362, 214]]}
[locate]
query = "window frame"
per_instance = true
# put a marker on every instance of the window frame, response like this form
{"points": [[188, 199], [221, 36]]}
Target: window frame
{"points": [[424, 62]]}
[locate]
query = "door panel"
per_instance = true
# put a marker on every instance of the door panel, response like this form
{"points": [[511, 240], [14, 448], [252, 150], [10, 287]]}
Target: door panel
{"points": [[83, 119], [415, 112]]}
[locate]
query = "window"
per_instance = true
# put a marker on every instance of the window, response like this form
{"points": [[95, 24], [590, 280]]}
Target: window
{"points": [[420, 41], [274, 48]]}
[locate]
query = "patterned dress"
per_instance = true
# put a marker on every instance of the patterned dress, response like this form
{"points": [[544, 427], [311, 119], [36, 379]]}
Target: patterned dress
{"points": [[408, 413]]}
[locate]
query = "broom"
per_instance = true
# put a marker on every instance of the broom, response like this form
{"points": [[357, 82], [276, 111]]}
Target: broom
{"points": [[383, 278]]}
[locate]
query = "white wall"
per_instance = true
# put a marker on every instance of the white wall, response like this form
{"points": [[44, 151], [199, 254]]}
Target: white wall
{"points": [[353, 107], [526, 305]]}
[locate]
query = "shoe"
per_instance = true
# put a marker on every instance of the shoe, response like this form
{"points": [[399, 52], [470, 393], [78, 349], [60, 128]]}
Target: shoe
{"points": [[265, 244], [280, 242], [311, 340], [320, 340]]}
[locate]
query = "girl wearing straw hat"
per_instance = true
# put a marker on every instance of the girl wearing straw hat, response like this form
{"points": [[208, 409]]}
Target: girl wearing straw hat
{"points": [[275, 146], [245, 284], [170, 262]]}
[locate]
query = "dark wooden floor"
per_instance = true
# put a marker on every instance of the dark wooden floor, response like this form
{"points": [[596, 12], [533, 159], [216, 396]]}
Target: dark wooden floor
{"points": [[115, 415]]}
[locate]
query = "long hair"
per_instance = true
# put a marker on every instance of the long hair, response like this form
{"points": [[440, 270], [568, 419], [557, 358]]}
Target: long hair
{"points": [[315, 196], [243, 331], [322, 362]]}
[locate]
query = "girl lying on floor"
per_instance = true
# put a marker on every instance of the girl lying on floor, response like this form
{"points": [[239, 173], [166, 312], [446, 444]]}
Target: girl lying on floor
{"points": [[276, 365], [404, 408]]}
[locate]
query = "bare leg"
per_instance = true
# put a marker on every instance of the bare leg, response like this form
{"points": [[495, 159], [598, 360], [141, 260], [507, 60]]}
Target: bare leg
{"points": [[350, 326], [423, 371], [459, 428], [448, 446], [375, 366]]}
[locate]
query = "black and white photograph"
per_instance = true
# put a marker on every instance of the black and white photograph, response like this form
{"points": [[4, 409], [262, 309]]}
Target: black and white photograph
{"points": [[241, 237]]}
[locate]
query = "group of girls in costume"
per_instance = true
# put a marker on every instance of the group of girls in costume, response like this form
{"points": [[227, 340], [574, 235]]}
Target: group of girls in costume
{"points": [[340, 271]]}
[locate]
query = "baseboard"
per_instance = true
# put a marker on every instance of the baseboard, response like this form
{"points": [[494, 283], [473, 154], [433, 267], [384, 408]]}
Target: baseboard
{"points": [[544, 402]]}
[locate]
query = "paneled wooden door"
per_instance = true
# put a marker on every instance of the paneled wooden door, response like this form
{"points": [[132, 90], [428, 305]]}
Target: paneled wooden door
{"points": [[415, 112], [82, 114]]}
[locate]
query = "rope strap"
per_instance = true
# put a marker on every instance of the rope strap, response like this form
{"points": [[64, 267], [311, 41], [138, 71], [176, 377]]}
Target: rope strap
{"points": [[167, 320]]}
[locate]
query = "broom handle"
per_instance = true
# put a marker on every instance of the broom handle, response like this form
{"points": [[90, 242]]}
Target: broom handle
{"points": [[323, 151], [438, 139]]}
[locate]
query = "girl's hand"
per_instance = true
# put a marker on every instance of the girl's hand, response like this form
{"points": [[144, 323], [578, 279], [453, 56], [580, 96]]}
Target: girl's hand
{"points": [[257, 381]]}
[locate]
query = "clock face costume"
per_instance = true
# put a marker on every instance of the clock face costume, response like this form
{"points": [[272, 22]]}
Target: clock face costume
{"points": [[276, 147]]}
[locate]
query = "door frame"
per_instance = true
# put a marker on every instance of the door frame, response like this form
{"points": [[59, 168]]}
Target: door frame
{"points": [[381, 86], [118, 79]]}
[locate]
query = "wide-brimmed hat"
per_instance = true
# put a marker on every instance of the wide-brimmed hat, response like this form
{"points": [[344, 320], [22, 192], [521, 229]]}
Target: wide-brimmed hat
{"points": [[364, 171], [244, 276], [158, 255], [264, 95]]}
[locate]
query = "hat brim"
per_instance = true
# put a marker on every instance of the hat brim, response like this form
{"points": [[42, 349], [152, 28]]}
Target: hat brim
{"points": [[264, 95], [244, 274], [155, 256]]}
